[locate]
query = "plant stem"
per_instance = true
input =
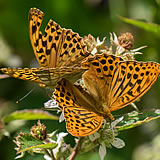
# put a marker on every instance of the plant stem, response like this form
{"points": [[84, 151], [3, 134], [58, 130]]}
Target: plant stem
{"points": [[75, 150]]}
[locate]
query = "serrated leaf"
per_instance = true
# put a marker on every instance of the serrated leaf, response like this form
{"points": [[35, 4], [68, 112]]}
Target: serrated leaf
{"points": [[27, 142], [151, 27], [135, 118], [29, 114]]}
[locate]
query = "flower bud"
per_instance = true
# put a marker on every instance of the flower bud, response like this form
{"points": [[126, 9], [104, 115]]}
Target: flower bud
{"points": [[39, 131], [126, 40]]}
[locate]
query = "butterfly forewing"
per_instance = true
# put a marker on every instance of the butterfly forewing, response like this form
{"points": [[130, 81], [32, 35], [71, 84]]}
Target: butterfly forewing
{"points": [[72, 50], [46, 77], [115, 83], [79, 121], [51, 76], [132, 80], [35, 21], [58, 46], [52, 40]]}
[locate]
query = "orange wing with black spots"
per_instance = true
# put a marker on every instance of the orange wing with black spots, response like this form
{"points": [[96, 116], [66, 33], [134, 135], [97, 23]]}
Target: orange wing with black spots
{"points": [[28, 74], [115, 83], [44, 76], [58, 47], [59, 52], [131, 80], [79, 121], [98, 77]]}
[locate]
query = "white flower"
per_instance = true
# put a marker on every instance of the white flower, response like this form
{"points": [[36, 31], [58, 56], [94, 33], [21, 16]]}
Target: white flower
{"points": [[94, 51], [51, 104], [114, 123], [99, 43], [20, 156], [59, 141], [120, 50], [46, 157], [107, 138]]}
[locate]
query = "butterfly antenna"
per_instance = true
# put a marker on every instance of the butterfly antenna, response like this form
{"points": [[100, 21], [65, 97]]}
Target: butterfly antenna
{"points": [[49, 93], [25, 95]]}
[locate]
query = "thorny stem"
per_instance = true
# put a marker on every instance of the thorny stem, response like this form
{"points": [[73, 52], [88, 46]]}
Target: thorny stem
{"points": [[75, 150]]}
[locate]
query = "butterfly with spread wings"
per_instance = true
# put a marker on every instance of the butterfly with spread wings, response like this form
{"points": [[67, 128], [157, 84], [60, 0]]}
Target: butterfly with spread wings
{"points": [[59, 52]]}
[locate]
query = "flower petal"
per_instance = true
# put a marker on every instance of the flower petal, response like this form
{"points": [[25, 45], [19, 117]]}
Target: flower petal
{"points": [[118, 143], [102, 151]]}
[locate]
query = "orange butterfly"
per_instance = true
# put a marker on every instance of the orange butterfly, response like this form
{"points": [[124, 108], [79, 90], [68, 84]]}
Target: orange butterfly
{"points": [[59, 52], [111, 83]]}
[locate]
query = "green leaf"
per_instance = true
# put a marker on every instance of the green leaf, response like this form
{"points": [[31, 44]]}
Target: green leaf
{"points": [[151, 27], [135, 118], [27, 142], [29, 114]]}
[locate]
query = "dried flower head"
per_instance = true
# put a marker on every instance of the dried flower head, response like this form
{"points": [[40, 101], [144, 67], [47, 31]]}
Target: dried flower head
{"points": [[90, 42], [126, 40]]}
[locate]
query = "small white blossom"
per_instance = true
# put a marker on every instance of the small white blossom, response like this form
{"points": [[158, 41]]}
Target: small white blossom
{"points": [[46, 157], [99, 43], [20, 155], [94, 51], [59, 142], [51, 104]]}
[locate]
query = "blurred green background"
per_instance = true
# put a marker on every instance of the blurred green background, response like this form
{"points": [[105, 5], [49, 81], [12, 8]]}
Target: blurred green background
{"points": [[97, 17]]}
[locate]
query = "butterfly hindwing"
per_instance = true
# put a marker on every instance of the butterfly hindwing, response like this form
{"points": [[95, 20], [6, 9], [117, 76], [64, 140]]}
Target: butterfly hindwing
{"points": [[79, 121], [72, 50], [98, 78], [132, 80]]}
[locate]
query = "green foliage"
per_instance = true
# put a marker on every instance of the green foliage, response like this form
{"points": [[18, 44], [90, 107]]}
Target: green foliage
{"points": [[135, 118], [151, 27], [29, 114], [28, 142]]}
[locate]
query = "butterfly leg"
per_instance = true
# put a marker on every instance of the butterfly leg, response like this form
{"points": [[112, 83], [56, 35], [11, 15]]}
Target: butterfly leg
{"points": [[108, 115]]}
